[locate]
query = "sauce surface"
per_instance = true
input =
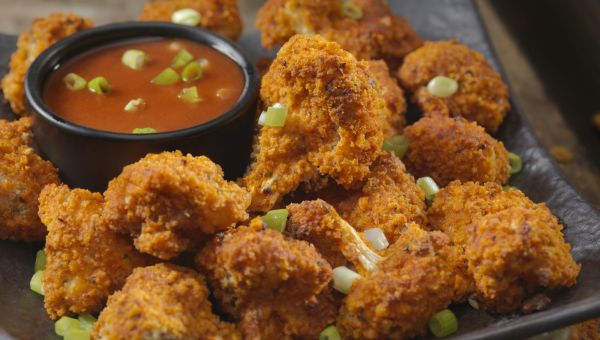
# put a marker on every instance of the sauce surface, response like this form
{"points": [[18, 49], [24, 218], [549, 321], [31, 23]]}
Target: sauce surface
{"points": [[163, 110]]}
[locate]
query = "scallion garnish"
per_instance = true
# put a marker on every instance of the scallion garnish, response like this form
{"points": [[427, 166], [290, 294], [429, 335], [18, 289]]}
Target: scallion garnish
{"points": [[167, 77], [276, 116], [343, 279], [86, 321], [66, 324], [182, 58], [443, 323], [190, 95], [351, 10], [516, 163], [40, 260], [442, 87], [276, 219], [186, 16], [36, 284], [142, 131], [377, 238], [397, 144], [135, 59], [429, 187], [74, 82], [99, 85], [192, 72], [330, 333], [135, 105]]}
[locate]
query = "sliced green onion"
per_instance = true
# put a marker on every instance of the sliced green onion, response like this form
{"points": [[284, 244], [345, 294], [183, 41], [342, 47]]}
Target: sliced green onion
{"points": [[443, 323], [343, 279], [74, 82], [262, 118], [40, 260], [276, 219], [182, 58], [77, 334], [167, 77], [135, 105], [190, 95], [473, 301], [186, 16], [276, 115], [377, 238], [397, 144], [143, 131], [36, 284], [429, 187], [87, 321], [192, 72], [442, 87], [516, 163], [135, 59], [330, 333], [99, 85], [508, 188], [351, 10], [65, 324], [203, 62]]}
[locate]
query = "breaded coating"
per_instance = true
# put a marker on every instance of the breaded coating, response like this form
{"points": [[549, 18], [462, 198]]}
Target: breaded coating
{"points": [[332, 127], [589, 330], [396, 301], [459, 204], [394, 117], [85, 260], [169, 202], [340, 244], [163, 301], [23, 175], [448, 149], [516, 253], [389, 199], [246, 267], [43, 33], [377, 34], [482, 95], [219, 16]]}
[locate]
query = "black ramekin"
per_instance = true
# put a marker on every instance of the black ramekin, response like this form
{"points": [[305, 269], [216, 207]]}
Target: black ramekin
{"points": [[89, 158]]}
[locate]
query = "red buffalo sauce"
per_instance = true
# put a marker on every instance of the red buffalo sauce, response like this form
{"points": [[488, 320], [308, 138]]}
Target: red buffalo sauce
{"points": [[162, 108]]}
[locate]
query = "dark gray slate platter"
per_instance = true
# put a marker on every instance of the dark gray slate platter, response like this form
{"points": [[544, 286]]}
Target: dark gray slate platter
{"points": [[21, 311]]}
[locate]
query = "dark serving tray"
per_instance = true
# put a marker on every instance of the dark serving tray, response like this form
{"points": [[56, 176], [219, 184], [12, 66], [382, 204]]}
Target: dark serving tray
{"points": [[21, 311]]}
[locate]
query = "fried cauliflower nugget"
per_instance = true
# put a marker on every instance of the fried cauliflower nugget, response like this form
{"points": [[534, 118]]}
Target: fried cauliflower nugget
{"points": [[23, 175], [589, 330], [377, 34], [460, 204], [449, 149], [163, 301], [219, 16], [43, 33], [388, 200], [85, 260], [417, 279], [332, 127], [394, 117], [169, 202], [482, 96], [516, 253]]}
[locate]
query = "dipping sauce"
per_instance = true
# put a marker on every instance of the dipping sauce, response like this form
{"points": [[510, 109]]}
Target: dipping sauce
{"points": [[152, 106]]}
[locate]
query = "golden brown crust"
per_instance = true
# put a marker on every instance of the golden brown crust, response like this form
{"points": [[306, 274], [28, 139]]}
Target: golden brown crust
{"points": [[219, 16], [449, 149], [332, 128], [516, 253], [43, 33], [23, 175], [394, 117], [482, 96], [379, 34], [170, 202], [85, 261], [589, 330], [163, 301]]}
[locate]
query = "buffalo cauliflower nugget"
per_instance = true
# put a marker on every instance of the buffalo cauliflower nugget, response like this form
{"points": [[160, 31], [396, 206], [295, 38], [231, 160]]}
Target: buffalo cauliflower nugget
{"points": [[517, 253], [333, 125], [417, 279], [481, 96], [448, 149], [219, 16], [589, 330], [394, 117], [23, 175], [374, 33], [85, 260], [170, 202], [43, 33], [163, 301]]}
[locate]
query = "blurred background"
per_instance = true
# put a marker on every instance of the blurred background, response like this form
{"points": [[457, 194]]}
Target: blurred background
{"points": [[549, 50]]}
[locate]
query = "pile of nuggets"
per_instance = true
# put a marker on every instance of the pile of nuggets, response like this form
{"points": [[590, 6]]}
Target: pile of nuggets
{"points": [[125, 253]]}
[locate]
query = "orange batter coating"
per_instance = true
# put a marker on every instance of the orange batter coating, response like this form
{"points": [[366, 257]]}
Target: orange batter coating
{"points": [[394, 118], [85, 261], [219, 16], [389, 199], [332, 127], [589, 330], [43, 33], [417, 279], [163, 301], [23, 175], [169, 202], [448, 149], [377, 34], [482, 96], [516, 253]]}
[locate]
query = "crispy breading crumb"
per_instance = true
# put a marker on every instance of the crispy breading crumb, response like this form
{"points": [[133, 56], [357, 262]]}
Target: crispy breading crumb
{"points": [[561, 154]]}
